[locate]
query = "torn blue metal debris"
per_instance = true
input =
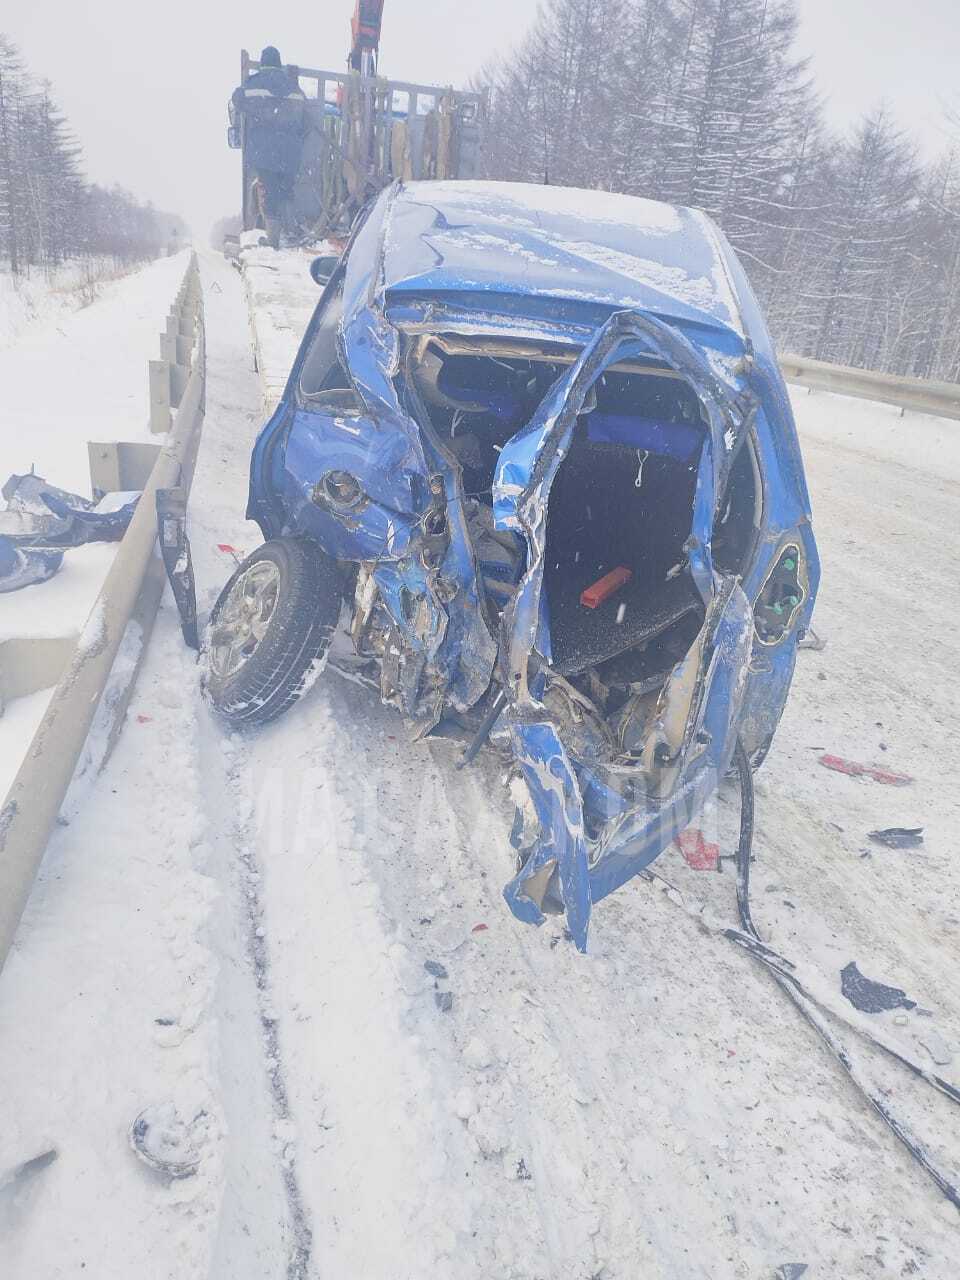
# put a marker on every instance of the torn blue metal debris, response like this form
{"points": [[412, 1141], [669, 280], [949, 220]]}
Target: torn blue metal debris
{"points": [[38, 514], [506, 392]]}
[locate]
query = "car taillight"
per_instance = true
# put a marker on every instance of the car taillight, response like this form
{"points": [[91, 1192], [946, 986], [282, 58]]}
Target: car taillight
{"points": [[781, 596]]}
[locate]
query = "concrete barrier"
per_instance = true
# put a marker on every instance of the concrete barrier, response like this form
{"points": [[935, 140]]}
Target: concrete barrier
{"points": [[96, 682], [942, 399]]}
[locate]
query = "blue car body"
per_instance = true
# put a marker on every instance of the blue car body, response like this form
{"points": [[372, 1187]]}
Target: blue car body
{"points": [[602, 284]]}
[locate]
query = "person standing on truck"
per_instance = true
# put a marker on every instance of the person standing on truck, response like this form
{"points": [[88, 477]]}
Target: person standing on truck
{"points": [[273, 108]]}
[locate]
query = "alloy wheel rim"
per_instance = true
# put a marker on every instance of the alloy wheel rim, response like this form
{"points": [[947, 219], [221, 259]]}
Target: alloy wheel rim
{"points": [[244, 618]]}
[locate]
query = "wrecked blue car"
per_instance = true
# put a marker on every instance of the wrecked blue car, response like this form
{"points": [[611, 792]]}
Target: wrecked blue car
{"points": [[535, 467]]}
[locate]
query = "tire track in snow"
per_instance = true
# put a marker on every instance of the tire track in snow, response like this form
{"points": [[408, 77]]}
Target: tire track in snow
{"points": [[216, 515], [229, 788], [367, 1043]]}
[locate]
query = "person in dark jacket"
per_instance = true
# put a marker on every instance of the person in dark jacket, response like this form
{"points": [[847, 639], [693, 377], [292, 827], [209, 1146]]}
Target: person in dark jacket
{"points": [[273, 107]]}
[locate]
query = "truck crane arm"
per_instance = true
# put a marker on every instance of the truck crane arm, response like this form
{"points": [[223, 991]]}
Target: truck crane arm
{"points": [[365, 30]]}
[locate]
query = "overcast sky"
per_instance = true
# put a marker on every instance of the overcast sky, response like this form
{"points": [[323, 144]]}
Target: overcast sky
{"points": [[146, 96]]}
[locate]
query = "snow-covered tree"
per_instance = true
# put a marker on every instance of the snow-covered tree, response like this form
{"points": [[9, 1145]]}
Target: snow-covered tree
{"points": [[47, 210], [853, 247]]}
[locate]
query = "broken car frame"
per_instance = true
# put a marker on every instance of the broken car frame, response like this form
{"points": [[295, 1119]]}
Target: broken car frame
{"points": [[505, 393]]}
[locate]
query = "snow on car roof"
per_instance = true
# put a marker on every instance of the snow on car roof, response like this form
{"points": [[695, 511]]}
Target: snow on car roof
{"points": [[589, 246]]}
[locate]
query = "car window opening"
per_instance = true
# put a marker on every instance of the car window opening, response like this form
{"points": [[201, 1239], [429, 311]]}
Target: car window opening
{"points": [[322, 370]]}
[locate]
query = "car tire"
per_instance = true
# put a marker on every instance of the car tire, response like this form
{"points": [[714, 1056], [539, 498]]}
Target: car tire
{"points": [[272, 624]]}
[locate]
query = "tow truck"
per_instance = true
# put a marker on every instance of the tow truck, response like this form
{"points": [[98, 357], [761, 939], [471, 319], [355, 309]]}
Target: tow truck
{"points": [[364, 132]]}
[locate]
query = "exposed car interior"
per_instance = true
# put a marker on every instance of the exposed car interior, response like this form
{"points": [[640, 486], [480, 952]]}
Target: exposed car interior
{"points": [[621, 502]]}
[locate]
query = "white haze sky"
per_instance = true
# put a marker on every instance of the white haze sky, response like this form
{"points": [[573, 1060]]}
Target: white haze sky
{"points": [[145, 85]]}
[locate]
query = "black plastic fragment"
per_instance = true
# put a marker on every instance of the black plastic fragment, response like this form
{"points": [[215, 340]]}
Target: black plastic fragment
{"points": [[444, 1000], [175, 549], [898, 837], [435, 969], [791, 1270], [869, 996]]}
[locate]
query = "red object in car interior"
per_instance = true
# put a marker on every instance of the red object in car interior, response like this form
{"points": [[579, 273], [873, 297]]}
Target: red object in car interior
{"points": [[592, 597]]}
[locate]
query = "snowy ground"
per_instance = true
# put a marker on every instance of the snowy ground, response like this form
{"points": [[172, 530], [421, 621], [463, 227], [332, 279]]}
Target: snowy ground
{"points": [[67, 377], [280, 297], [83, 376], [29, 302], [239, 926]]}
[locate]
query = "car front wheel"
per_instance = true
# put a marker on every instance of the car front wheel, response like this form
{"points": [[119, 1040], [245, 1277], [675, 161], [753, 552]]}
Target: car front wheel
{"points": [[270, 630]]}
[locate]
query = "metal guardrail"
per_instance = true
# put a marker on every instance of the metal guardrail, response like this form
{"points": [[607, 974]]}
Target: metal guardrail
{"points": [[942, 399], [121, 621]]}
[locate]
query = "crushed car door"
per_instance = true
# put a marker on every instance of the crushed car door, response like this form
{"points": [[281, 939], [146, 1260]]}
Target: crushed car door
{"points": [[526, 470]]}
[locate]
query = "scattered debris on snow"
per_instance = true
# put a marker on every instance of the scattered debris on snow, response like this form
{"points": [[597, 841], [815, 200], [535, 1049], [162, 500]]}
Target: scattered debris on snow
{"points": [[869, 996], [855, 770], [898, 837]]}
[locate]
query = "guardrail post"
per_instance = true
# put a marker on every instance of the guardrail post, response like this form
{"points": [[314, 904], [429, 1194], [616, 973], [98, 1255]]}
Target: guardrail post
{"points": [[179, 375], [120, 466], [161, 397], [168, 343], [31, 663]]}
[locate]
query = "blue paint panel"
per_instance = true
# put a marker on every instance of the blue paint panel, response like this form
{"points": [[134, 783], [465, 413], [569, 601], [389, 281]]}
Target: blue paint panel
{"points": [[549, 241], [679, 440]]}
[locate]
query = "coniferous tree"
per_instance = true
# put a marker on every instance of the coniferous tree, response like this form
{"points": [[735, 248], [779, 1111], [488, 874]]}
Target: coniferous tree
{"points": [[853, 247], [48, 212], [11, 92]]}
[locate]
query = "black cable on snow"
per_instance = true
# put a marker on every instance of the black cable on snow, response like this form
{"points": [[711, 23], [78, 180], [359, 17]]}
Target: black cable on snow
{"points": [[780, 968]]}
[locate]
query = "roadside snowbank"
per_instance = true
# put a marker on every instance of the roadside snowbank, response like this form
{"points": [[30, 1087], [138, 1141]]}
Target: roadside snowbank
{"points": [[81, 377], [30, 301], [70, 379]]}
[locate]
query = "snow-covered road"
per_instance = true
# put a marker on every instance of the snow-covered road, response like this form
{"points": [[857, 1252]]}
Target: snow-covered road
{"points": [[248, 920]]}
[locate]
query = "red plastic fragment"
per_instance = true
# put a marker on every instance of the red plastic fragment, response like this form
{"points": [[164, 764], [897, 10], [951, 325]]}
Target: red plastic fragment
{"points": [[479, 928], [592, 597], [142, 719], [888, 778], [698, 853], [856, 770]]}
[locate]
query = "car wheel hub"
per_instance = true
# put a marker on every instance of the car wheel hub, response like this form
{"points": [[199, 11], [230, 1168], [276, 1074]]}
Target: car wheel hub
{"points": [[244, 618]]}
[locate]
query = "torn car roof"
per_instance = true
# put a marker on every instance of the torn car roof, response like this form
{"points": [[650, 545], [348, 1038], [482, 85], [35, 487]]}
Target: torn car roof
{"points": [[595, 247]]}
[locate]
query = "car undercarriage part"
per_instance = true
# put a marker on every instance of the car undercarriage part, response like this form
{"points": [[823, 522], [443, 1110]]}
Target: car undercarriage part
{"points": [[811, 1009], [497, 703]]}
